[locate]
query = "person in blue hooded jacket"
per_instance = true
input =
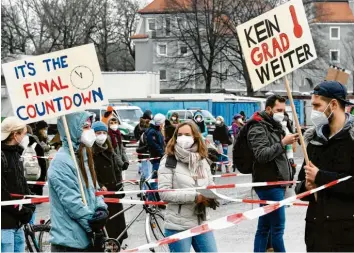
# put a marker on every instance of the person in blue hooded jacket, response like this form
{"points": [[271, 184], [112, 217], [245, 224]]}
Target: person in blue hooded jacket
{"points": [[73, 222], [199, 120]]}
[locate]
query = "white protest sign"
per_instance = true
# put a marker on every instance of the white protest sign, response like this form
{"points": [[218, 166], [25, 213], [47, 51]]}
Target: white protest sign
{"points": [[55, 84], [276, 43]]}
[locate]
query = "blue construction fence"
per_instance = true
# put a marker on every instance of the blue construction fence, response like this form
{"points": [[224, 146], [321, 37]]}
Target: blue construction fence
{"points": [[226, 109]]}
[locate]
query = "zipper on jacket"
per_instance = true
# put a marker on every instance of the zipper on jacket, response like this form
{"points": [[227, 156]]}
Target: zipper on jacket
{"points": [[179, 208]]}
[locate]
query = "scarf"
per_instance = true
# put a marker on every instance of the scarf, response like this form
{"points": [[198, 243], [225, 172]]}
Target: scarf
{"points": [[116, 137], [192, 158]]}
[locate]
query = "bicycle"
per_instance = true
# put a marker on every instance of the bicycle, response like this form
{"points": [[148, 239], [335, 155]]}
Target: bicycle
{"points": [[32, 244], [153, 221]]}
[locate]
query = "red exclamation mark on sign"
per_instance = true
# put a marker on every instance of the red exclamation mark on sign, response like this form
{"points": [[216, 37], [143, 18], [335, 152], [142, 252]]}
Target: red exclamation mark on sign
{"points": [[297, 26]]}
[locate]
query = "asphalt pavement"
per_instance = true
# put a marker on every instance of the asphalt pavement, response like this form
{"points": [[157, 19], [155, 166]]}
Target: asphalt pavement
{"points": [[239, 238]]}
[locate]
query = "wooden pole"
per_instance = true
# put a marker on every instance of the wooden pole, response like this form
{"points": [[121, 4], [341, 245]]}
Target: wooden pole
{"points": [[67, 132], [298, 128]]}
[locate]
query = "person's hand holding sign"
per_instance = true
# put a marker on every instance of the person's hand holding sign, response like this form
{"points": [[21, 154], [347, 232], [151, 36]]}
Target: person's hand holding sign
{"points": [[311, 172]]}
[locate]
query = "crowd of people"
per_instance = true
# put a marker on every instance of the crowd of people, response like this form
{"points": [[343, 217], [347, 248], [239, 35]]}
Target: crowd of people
{"points": [[180, 156]]}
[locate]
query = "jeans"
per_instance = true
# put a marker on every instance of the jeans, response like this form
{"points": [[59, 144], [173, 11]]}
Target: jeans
{"points": [[154, 186], [145, 170], [224, 158], [33, 219], [272, 223], [201, 243], [12, 240]]}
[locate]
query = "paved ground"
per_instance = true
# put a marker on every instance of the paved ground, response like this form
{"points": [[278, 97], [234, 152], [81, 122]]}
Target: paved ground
{"points": [[238, 238]]}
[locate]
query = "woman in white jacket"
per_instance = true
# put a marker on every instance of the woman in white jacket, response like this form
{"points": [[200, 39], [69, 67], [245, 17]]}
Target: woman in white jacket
{"points": [[185, 166]]}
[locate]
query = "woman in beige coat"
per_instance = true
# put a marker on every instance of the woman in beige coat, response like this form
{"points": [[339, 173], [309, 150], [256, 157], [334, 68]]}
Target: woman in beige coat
{"points": [[185, 166]]}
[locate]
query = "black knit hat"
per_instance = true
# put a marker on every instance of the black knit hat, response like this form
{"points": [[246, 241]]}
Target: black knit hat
{"points": [[147, 115], [41, 124]]}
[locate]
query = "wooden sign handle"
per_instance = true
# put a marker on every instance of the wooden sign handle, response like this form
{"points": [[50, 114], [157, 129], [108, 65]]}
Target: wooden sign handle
{"points": [[67, 132], [298, 128]]}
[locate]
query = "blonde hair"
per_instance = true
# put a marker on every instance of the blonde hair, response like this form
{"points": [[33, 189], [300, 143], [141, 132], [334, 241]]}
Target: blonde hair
{"points": [[202, 149]]}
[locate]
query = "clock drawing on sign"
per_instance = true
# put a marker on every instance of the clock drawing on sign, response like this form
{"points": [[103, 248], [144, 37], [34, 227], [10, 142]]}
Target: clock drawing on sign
{"points": [[81, 77]]}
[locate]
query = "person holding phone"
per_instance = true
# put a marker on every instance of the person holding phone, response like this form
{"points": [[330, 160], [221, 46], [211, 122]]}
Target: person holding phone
{"points": [[268, 142]]}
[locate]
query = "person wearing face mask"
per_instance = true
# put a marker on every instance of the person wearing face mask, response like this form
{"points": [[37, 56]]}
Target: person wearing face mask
{"points": [[117, 143], [109, 177], [175, 119], [222, 137], [185, 166], [199, 120], [156, 146], [13, 141], [74, 224], [237, 124], [330, 147], [267, 142]]}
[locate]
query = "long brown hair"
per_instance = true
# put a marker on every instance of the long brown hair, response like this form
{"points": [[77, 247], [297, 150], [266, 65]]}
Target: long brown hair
{"points": [[90, 164], [202, 148]]}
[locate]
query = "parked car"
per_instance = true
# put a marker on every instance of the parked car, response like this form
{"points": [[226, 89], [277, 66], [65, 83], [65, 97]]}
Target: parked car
{"points": [[187, 114], [128, 117]]}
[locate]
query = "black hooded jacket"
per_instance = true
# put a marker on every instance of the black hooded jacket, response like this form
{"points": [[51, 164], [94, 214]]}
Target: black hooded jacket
{"points": [[330, 219]]}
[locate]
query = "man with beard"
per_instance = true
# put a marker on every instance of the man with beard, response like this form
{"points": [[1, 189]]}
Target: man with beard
{"points": [[330, 215]]}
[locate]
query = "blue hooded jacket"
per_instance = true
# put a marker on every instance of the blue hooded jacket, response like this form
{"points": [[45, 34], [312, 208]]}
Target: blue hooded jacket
{"points": [[201, 125], [69, 215]]}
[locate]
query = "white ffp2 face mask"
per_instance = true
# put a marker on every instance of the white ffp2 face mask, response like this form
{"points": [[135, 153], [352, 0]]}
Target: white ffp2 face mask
{"points": [[185, 142], [319, 118], [24, 142], [88, 138], [278, 116], [100, 139], [114, 127]]}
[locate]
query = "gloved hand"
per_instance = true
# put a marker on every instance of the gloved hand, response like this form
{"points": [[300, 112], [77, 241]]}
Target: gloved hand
{"points": [[25, 214], [125, 166], [213, 203], [98, 220]]}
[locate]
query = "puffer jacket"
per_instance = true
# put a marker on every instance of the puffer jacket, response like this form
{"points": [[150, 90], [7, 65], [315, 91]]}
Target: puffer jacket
{"points": [[180, 210], [271, 162], [330, 219], [69, 216]]}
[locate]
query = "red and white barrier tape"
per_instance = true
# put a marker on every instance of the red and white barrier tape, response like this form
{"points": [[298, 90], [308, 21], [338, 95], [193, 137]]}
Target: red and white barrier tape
{"points": [[37, 183], [214, 176], [154, 180], [145, 159], [34, 199], [224, 186], [134, 153], [130, 142], [43, 157], [231, 220]]}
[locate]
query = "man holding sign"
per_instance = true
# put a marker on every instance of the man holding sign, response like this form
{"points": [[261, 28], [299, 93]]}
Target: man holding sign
{"points": [[330, 218]]}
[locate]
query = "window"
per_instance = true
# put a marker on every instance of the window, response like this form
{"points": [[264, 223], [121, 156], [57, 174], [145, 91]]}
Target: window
{"points": [[130, 115], [183, 50], [334, 33], [163, 75], [334, 55], [151, 25], [181, 23], [168, 26], [189, 115], [162, 49]]}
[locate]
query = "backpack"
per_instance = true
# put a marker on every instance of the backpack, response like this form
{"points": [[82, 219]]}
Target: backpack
{"points": [[143, 147], [242, 154], [30, 163]]}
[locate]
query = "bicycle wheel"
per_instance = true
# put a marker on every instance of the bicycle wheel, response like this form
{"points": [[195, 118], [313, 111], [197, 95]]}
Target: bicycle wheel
{"points": [[154, 230], [31, 241], [43, 239]]}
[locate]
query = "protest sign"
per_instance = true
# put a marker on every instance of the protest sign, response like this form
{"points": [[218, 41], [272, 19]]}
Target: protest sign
{"points": [[276, 43], [55, 84]]}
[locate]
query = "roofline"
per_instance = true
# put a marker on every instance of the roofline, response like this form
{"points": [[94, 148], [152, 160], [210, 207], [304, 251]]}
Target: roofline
{"points": [[333, 23]]}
